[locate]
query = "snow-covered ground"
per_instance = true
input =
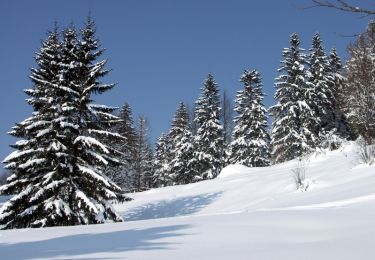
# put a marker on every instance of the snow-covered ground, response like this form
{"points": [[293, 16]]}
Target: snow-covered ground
{"points": [[243, 214]]}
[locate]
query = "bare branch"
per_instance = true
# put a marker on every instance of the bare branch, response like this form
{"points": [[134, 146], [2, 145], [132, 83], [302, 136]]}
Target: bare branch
{"points": [[342, 6]]}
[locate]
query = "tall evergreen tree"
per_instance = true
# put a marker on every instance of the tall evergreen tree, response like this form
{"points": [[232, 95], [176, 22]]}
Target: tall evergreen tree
{"points": [[209, 139], [182, 153], [336, 70], [57, 166], [294, 120], [322, 82], [250, 141], [162, 163]]}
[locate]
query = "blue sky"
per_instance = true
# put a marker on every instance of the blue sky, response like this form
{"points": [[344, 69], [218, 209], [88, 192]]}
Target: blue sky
{"points": [[161, 51]]}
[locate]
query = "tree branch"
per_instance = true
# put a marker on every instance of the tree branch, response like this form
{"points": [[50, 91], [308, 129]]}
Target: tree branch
{"points": [[342, 6]]}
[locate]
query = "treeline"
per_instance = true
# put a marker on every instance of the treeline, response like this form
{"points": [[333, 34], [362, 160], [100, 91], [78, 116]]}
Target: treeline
{"points": [[319, 103], [74, 157]]}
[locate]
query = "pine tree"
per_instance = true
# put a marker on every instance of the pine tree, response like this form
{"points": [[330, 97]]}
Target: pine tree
{"points": [[182, 147], [209, 141], [122, 174], [294, 120], [322, 82], [250, 142], [336, 70], [143, 159], [162, 163], [57, 167]]}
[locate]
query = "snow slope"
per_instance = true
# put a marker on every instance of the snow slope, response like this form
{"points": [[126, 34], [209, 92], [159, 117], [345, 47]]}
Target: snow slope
{"points": [[245, 213]]}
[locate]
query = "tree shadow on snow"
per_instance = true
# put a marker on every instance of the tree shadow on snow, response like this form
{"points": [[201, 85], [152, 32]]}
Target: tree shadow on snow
{"points": [[171, 208], [81, 244]]}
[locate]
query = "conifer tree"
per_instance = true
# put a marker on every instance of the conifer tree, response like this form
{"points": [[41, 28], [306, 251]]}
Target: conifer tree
{"points": [[209, 141], [250, 141], [182, 153], [336, 71], [162, 163], [57, 166], [143, 159], [322, 82], [122, 174], [294, 120]]}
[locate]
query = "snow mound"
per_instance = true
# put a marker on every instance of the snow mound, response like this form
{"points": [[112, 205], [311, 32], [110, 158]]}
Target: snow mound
{"points": [[233, 170]]}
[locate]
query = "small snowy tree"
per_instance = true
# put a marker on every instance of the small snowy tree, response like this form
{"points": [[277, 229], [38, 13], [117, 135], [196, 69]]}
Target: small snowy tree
{"points": [[250, 141], [143, 157], [162, 174], [182, 153], [57, 166], [209, 141], [294, 121]]}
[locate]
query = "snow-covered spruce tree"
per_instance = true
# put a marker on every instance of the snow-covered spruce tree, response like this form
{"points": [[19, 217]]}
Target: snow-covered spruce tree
{"points": [[294, 120], [162, 163], [182, 143], [56, 169], [322, 82], [336, 71], [359, 89], [143, 157], [122, 174], [209, 141], [250, 141]]}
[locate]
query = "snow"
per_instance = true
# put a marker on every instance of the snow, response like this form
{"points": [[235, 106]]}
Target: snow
{"points": [[245, 213], [89, 141]]}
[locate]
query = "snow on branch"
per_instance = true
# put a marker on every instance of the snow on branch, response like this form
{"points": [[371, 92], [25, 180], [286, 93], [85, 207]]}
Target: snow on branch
{"points": [[89, 142]]}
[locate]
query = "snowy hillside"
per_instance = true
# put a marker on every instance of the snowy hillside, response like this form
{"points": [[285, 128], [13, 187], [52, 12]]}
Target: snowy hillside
{"points": [[245, 213]]}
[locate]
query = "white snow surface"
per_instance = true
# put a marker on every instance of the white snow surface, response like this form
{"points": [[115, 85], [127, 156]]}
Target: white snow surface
{"points": [[246, 213]]}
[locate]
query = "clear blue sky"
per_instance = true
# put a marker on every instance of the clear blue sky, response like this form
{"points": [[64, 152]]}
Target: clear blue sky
{"points": [[161, 51]]}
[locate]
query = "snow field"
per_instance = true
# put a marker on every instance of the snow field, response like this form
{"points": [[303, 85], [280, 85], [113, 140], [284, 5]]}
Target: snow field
{"points": [[245, 213]]}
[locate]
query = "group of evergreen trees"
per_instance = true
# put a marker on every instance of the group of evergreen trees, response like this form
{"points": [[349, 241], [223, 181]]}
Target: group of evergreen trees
{"points": [[185, 155], [75, 157], [306, 113]]}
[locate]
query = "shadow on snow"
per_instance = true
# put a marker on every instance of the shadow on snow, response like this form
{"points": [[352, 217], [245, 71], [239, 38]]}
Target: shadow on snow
{"points": [[81, 244], [171, 208]]}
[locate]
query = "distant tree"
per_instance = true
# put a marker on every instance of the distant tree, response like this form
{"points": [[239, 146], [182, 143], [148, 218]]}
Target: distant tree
{"points": [[209, 139], [122, 174], [143, 159], [162, 163], [294, 120], [250, 141], [57, 166], [182, 147], [227, 117], [192, 123], [359, 88]]}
